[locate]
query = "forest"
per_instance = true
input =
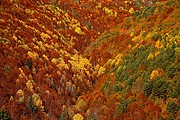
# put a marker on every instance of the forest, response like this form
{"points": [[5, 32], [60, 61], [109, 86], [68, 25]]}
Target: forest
{"points": [[89, 59]]}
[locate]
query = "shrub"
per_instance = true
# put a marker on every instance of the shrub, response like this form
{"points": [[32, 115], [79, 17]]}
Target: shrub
{"points": [[31, 104], [122, 107], [176, 92], [156, 37], [171, 117], [160, 88], [170, 71], [172, 107], [29, 64], [148, 89], [4, 115]]}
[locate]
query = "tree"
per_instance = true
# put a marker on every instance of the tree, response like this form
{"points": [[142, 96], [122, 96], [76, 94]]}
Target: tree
{"points": [[172, 107], [160, 89]]}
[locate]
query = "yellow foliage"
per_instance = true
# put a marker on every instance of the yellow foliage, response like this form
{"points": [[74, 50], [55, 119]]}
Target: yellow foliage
{"points": [[110, 11], [29, 11], [75, 24], [32, 55], [54, 60], [158, 44], [11, 98], [56, 45], [79, 63], [81, 104], [149, 36], [48, 46], [157, 53], [101, 71], [154, 74], [132, 34], [48, 92], [40, 43], [59, 22], [77, 117], [29, 85], [138, 38], [99, 5], [21, 99], [44, 36], [37, 101], [66, 17], [21, 75], [60, 63], [20, 93], [55, 36], [49, 32], [44, 56], [36, 47], [150, 56], [97, 67], [26, 47], [109, 62], [131, 10], [156, 11], [118, 59], [115, 14], [78, 30]]}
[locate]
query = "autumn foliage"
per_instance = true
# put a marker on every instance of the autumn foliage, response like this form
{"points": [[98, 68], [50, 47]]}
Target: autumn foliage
{"points": [[89, 59]]}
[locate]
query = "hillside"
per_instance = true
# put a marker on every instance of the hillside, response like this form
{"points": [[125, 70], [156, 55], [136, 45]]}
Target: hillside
{"points": [[90, 59]]}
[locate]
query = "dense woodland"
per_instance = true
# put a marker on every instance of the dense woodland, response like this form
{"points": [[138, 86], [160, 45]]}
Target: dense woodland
{"points": [[89, 60]]}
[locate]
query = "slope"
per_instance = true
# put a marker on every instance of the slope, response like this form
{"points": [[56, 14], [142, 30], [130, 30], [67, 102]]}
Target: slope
{"points": [[89, 59], [141, 57]]}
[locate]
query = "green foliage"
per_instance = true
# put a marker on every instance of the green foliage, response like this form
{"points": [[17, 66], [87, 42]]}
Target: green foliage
{"points": [[146, 12], [105, 85], [160, 88], [2, 39], [29, 64], [64, 113], [87, 24], [176, 91], [171, 70], [31, 104], [129, 68], [157, 88], [148, 88], [116, 87], [63, 116], [172, 107], [7, 68], [144, 34], [166, 58], [156, 37], [92, 116], [56, 36], [171, 117], [171, 3], [106, 36], [4, 115], [128, 20], [122, 107], [160, 8], [130, 80]]}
